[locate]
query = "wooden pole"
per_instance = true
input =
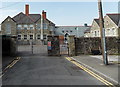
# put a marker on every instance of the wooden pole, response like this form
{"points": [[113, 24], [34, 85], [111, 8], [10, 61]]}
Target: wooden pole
{"points": [[102, 31]]}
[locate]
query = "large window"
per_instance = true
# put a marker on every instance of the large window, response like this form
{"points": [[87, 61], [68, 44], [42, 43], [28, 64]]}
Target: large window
{"points": [[19, 27], [8, 28], [19, 37], [25, 37], [25, 27]]}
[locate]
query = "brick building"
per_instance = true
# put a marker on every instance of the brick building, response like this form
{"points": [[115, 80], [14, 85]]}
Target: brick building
{"points": [[27, 27]]}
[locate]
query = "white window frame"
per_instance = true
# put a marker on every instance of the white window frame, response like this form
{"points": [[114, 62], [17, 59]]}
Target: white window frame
{"points": [[25, 26], [19, 27], [32, 37], [37, 37], [20, 37], [26, 38], [31, 26]]}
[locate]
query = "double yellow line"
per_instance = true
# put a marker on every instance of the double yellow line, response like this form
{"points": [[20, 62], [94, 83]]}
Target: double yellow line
{"points": [[10, 65], [91, 72]]}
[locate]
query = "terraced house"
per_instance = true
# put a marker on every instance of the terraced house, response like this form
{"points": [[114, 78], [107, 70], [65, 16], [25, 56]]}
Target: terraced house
{"points": [[27, 27], [111, 25]]}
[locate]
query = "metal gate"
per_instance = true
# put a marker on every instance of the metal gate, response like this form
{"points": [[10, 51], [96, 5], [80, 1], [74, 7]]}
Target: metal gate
{"points": [[63, 46], [57, 46]]}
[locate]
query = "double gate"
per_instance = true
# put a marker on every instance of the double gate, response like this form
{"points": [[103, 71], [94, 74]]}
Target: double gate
{"points": [[57, 46]]}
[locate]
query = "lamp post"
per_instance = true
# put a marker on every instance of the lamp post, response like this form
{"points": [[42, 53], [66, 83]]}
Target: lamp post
{"points": [[102, 31]]}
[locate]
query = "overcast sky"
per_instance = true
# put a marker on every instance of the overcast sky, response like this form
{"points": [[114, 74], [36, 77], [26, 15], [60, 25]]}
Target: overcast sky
{"points": [[61, 13]]}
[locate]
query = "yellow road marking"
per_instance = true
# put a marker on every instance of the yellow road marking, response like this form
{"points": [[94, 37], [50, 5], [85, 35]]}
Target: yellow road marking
{"points": [[1, 75], [91, 73], [10, 65]]}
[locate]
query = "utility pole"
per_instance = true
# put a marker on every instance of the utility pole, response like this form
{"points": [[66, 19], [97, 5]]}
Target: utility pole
{"points": [[102, 31], [42, 28]]}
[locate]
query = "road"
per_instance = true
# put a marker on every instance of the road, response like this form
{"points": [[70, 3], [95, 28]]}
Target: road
{"points": [[40, 69]]}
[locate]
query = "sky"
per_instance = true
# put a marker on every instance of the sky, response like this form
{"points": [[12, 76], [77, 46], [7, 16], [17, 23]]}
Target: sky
{"points": [[61, 13]]}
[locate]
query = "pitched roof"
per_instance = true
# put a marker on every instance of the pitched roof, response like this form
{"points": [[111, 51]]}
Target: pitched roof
{"points": [[35, 17], [97, 21], [31, 18], [7, 18], [22, 18], [115, 18], [18, 16]]}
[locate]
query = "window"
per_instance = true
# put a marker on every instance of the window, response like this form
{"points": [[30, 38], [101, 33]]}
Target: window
{"points": [[8, 28], [113, 31], [25, 27], [98, 33], [31, 27], [95, 33], [63, 31], [38, 26], [19, 27], [108, 31], [25, 37], [45, 26], [31, 37], [66, 30], [19, 37], [38, 37], [71, 31], [44, 36]]}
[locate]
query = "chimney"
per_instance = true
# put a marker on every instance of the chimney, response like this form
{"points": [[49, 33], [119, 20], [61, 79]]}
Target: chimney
{"points": [[27, 9], [44, 14], [85, 25]]}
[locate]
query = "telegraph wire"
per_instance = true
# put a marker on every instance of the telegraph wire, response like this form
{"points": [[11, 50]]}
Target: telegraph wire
{"points": [[10, 5]]}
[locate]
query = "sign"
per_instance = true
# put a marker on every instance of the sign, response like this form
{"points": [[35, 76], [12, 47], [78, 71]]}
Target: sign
{"points": [[49, 45]]}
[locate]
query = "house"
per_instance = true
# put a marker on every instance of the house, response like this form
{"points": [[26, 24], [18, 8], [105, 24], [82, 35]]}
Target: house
{"points": [[111, 22], [78, 31], [27, 27], [111, 26], [87, 33], [95, 28]]}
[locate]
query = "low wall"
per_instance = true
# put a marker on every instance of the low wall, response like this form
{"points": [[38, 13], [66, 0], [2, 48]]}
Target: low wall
{"points": [[92, 45], [9, 46]]}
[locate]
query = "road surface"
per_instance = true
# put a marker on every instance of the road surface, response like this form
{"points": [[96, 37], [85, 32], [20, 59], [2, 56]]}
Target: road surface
{"points": [[40, 69]]}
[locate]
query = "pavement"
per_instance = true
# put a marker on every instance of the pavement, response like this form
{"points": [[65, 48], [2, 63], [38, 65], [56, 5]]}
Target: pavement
{"points": [[40, 69], [95, 63]]}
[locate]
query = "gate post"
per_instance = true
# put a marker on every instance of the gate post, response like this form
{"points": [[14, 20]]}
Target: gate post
{"points": [[71, 45]]}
